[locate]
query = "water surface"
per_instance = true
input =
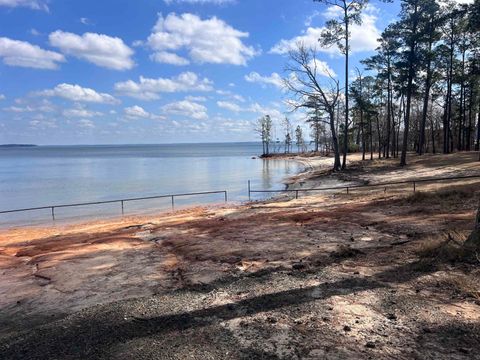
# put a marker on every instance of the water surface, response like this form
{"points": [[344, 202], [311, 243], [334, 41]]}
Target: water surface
{"points": [[52, 175]]}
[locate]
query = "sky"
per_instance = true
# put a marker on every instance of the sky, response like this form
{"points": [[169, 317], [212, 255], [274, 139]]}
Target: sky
{"points": [[158, 71]]}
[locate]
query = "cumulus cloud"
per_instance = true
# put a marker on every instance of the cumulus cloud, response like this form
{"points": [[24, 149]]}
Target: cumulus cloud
{"points": [[137, 112], [99, 49], [85, 123], [252, 108], [149, 89], [24, 54], [200, 39], [2, 97], [80, 113], [274, 79], [186, 108], [32, 4], [229, 106], [78, 93], [322, 68], [364, 37], [169, 58]]}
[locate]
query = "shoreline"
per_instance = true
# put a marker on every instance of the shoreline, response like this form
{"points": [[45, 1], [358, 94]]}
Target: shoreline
{"points": [[86, 220]]}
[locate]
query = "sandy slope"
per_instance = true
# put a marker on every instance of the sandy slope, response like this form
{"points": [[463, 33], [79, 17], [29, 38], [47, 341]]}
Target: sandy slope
{"points": [[326, 276]]}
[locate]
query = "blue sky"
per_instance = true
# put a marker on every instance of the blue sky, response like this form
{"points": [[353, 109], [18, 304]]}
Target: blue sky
{"points": [[156, 71]]}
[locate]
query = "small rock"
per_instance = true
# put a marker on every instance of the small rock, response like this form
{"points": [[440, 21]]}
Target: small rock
{"points": [[298, 266], [391, 317], [271, 320], [356, 273], [347, 328], [464, 350], [370, 345]]}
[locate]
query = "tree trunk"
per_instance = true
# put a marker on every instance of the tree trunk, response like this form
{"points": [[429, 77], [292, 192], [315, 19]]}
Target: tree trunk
{"points": [[336, 165], [345, 137], [473, 240]]}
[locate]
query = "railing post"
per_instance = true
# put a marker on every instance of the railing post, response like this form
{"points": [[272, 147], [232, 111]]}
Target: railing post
{"points": [[249, 197], [347, 190], [226, 196], [414, 187], [122, 206], [173, 203], [296, 194], [53, 213]]}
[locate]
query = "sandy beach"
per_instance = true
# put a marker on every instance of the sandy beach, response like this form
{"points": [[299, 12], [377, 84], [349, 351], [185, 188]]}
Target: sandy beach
{"points": [[329, 275]]}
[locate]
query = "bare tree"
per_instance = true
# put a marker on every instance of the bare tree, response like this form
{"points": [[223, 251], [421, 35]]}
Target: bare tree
{"points": [[299, 139], [310, 93], [263, 127]]}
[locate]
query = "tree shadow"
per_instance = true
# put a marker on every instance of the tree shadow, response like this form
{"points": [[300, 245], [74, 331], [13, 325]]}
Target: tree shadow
{"points": [[98, 330]]}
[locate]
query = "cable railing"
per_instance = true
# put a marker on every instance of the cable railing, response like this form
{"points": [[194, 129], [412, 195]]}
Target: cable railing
{"points": [[119, 201], [413, 182]]}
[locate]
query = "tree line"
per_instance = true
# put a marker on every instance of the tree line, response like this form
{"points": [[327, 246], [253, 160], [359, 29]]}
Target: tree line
{"points": [[419, 92]]}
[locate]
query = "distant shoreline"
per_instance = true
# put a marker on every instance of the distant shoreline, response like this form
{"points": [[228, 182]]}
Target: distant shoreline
{"points": [[17, 145]]}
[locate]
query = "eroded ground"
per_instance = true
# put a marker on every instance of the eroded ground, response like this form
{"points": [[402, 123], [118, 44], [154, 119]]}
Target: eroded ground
{"points": [[371, 274]]}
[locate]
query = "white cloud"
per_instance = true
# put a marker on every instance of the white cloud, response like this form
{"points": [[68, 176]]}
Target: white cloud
{"points": [[102, 50], [363, 37], [199, 2], [322, 68], [81, 112], [252, 108], [32, 4], [78, 93], [2, 97], [24, 54], [44, 106], [85, 123], [186, 108], [148, 89], [274, 79], [196, 98], [229, 106], [136, 112], [85, 21], [169, 58], [201, 39]]}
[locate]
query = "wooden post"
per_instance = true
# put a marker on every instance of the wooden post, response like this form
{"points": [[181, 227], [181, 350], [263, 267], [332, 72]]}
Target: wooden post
{"points": [[122, 207], [173, 203], [249, 197], [53, 213]]}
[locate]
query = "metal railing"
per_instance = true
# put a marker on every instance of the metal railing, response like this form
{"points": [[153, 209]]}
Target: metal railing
{"points": [[120, 201], [349, 187]]}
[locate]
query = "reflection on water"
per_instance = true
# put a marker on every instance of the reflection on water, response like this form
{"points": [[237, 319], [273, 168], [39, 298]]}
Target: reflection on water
{"points": [[40, 176]]}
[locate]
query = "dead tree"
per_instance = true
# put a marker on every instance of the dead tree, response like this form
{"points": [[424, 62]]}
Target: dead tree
{"points": [[310, 92]]}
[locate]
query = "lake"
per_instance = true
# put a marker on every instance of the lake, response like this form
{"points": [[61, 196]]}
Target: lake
{"points": [[52, 175]]}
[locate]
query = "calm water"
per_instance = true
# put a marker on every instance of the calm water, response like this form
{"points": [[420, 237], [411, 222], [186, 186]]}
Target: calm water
{"points": [[49, 175]]}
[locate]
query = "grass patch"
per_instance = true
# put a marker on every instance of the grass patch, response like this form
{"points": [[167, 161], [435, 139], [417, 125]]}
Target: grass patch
{"points": [[442, 196], [445, 247]]}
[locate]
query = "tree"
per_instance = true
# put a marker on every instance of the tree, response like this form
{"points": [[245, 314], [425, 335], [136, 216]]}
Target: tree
{"points": [[287, 126], [428, 54], [409, 31], [382, 62], [304, 83], [264, 129], [337, 32], [473, 241], [299, 138]]}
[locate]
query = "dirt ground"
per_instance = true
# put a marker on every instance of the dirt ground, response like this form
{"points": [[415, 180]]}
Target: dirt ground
{"points": [[372, 274]]}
